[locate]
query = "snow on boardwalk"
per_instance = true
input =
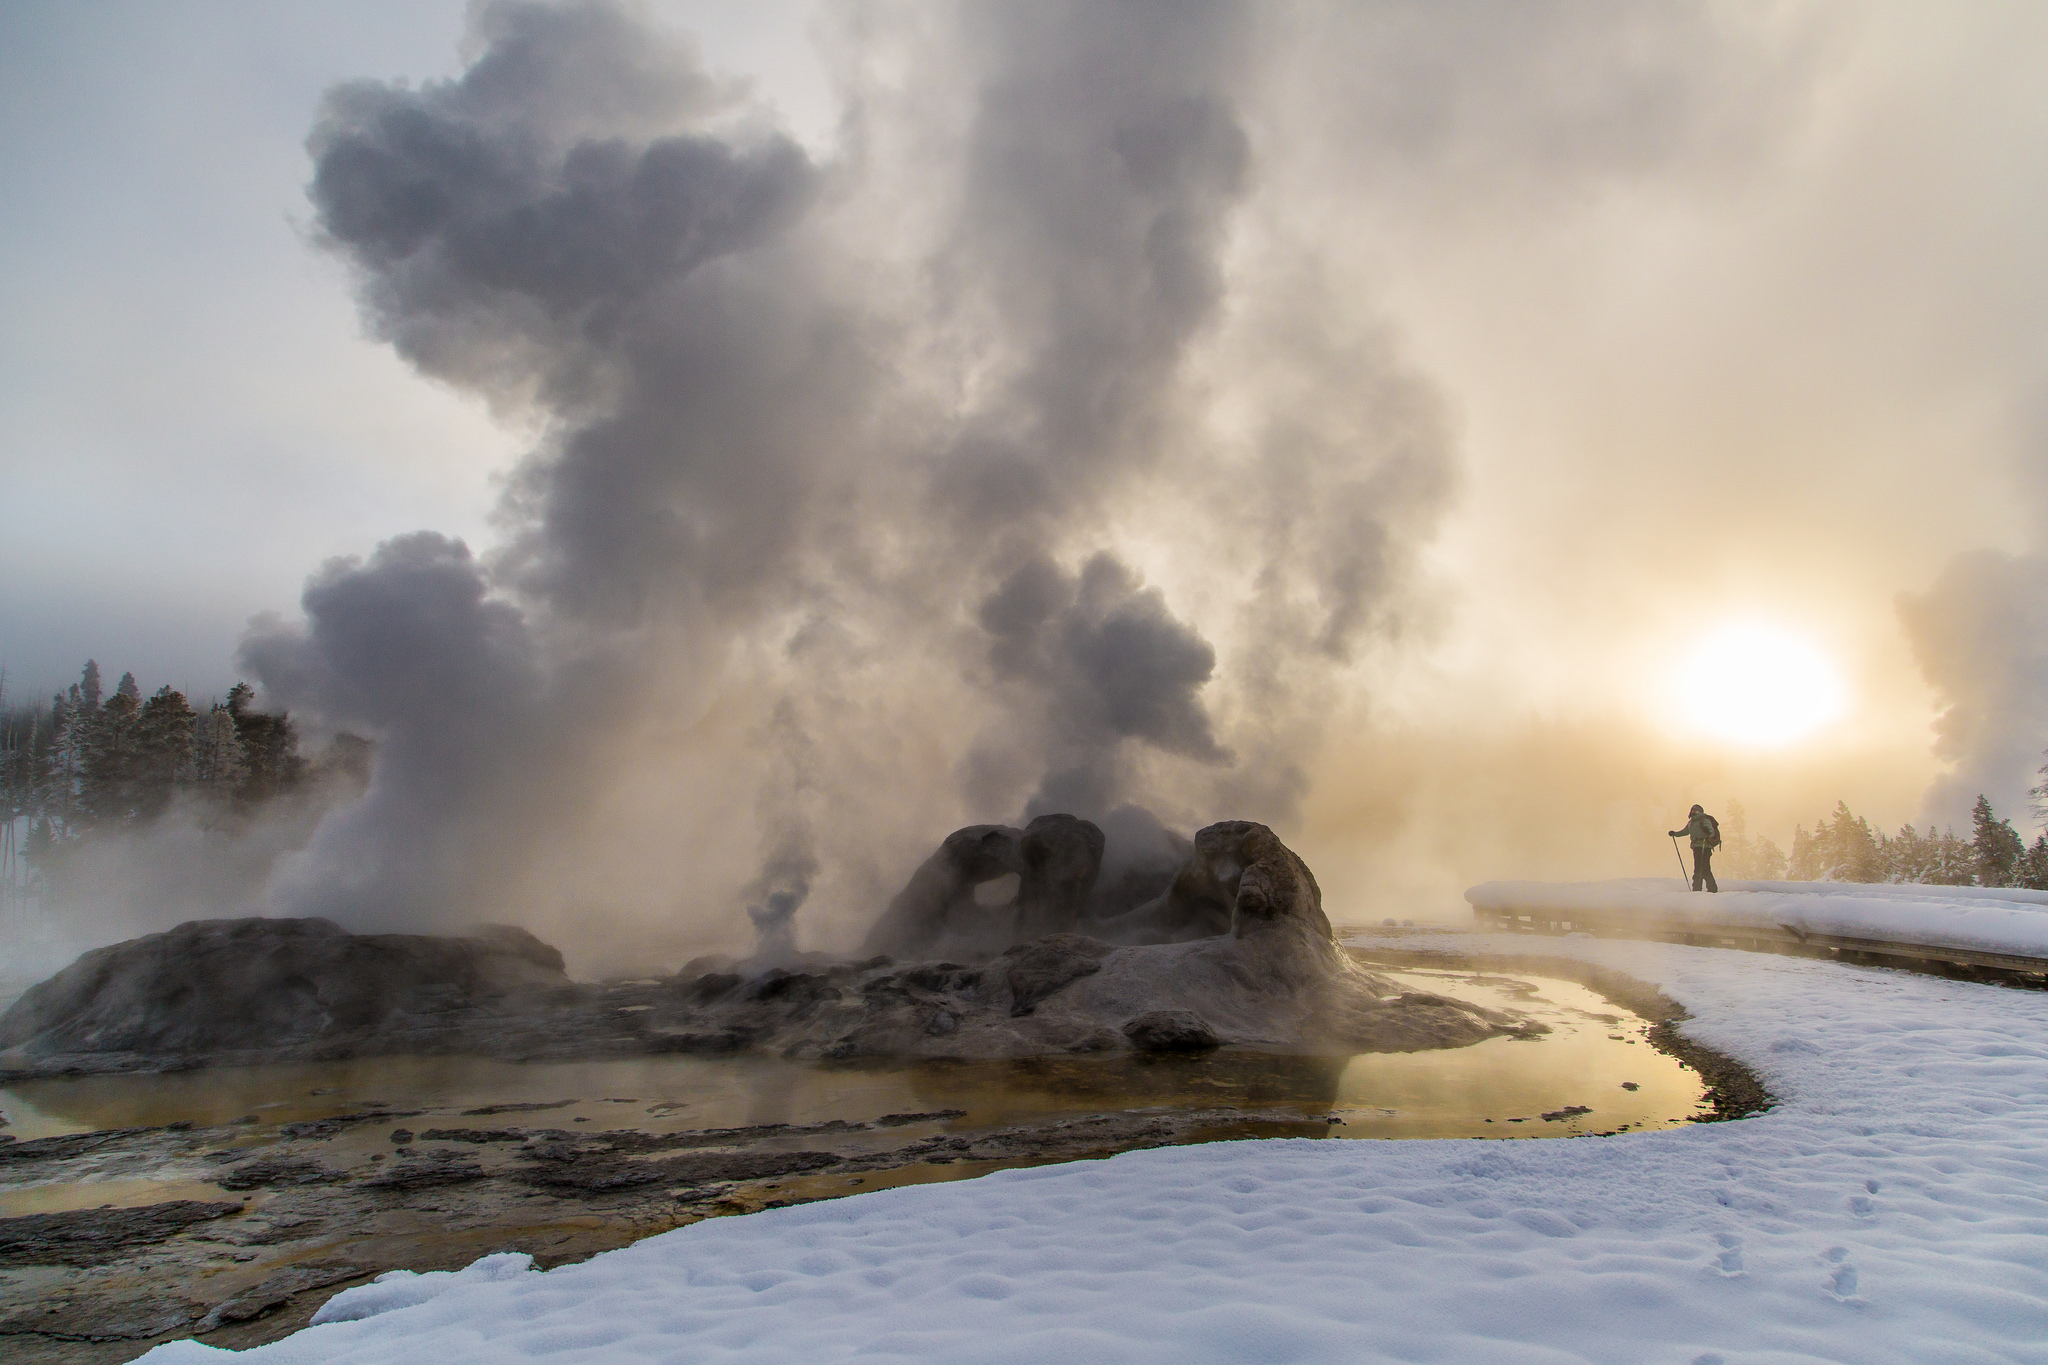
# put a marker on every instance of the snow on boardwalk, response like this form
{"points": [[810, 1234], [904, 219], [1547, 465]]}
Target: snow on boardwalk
{"points": [[1894, 1208], [1974, 919]]}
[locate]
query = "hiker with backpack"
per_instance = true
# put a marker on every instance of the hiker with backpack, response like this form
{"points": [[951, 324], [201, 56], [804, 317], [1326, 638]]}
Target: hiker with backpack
{"points": [[1704, 832]]}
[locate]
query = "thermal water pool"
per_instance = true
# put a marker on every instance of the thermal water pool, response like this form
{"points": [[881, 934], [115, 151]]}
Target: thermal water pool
{"points": [[310, 1177], [1593, 1072]]}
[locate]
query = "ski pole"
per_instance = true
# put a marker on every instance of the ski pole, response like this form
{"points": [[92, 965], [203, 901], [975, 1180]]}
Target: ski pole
{"points": [[1681, 861]]}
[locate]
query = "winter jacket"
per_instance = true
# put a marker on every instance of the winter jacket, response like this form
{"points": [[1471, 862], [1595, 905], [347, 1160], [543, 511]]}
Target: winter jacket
{"points": [[1703, 830]]}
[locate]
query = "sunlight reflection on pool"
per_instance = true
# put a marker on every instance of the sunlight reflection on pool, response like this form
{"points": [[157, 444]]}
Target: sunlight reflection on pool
{"points": [[1498, 1088]]}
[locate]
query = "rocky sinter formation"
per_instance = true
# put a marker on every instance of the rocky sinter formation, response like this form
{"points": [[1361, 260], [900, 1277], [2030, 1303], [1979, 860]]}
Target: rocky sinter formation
{"points": [[1234, 876], [222, 987], [1232, 948], [339, 1200]]}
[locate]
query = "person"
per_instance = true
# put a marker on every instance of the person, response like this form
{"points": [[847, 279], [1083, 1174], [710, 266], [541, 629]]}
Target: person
{"points": [[1705, 833]]}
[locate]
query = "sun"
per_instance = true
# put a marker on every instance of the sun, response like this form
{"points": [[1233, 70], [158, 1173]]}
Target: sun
{"points": [[1758, 684]]}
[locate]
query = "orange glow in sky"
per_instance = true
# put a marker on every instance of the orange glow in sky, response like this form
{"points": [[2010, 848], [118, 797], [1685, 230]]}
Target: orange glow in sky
{"points": [[1758, 684]]}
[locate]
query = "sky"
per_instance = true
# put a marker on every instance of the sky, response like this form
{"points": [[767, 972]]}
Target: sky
{"points": [[193, 417], [860, 420]]}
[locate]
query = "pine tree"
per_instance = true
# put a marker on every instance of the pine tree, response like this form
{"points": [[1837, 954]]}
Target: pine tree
{"points": [[217, 765], [2032, 871], [109, 757], [2038, 793], [270, 746], [20, 728], [87, 692], [1804, 863], [1906, 855], [58, 800], [1954, 861], [1996, 846], [163, 762], [129, 688], [1845, 848], [17, 742], [1851, 851], [1748, 857]]}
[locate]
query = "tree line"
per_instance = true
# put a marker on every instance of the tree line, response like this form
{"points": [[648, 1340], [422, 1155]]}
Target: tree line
{"points": [[1845, 847], [84, 764]]}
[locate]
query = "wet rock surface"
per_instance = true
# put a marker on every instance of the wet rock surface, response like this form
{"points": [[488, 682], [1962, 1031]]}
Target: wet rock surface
{"points": [[102, 1285], [95, 1236], [1235, 936], [71, 1144], [535, 1180], [271, 1171], [99, 1318], [1036, 971], [1170, 1031]]}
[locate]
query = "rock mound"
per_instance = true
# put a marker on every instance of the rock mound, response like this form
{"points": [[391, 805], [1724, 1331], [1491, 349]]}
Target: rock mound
{"points": [[1229, 947], [1053, 860], [225, 985], [1056, 866], [1232, 947]]}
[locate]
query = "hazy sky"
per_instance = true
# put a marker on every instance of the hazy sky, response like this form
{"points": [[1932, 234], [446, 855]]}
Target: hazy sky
{"points": [[190, 415], [1490, 356]]}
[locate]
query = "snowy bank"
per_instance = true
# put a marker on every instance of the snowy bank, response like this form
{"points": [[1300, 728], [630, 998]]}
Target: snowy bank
{"points": [[1975, 919], [1894, 1208]]}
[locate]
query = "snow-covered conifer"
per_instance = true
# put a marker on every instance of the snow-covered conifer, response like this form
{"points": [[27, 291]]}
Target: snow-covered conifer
{"points": [[1749, 857], [2032, 871], [1996, 845], [217, 764], [164, 758], [1851, 849]]}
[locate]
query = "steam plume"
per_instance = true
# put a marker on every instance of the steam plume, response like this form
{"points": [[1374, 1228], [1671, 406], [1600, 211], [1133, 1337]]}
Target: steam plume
{"points": [[1980, 634], [831, 482]]}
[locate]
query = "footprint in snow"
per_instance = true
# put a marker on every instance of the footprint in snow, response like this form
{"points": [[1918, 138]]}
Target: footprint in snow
{"points": [[1863, 1206], [1842, 1279], [1729, 1262]]}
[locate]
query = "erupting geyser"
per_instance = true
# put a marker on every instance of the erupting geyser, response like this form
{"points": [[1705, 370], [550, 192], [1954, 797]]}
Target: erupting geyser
{"points": [[1229, 947], [1232, 946]]}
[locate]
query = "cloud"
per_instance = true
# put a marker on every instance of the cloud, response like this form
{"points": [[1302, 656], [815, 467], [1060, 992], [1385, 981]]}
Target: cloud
{"points": [[1029, 450], [736, 433], [1980, 635], [1109, 663], [410, 649]]}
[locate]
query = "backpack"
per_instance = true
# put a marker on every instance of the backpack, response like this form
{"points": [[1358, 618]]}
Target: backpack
{"points": [[1713, 830]]}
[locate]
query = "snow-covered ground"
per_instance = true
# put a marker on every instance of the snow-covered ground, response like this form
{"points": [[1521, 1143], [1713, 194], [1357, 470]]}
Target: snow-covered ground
{"points": [[1893, 1208], [1984, 919]]}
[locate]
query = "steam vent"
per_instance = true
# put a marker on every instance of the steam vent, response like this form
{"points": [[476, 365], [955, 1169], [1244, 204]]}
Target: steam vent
{"points": [[1005, 943], [1226, 945]]}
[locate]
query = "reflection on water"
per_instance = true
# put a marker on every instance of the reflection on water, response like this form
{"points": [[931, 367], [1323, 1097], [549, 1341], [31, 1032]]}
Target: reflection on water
{"points": [[1498, 1088], [64, 1196]]}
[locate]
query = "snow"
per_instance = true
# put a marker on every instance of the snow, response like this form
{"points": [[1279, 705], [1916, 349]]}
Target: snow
{"points": [[1893, 1208], [1979, 918], [405, 1288]]}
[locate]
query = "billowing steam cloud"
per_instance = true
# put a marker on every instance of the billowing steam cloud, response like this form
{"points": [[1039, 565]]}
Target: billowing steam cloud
{"points": [[526, 231], [410, 648], [1980, 634], [1110, 662], [839, 484]]}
